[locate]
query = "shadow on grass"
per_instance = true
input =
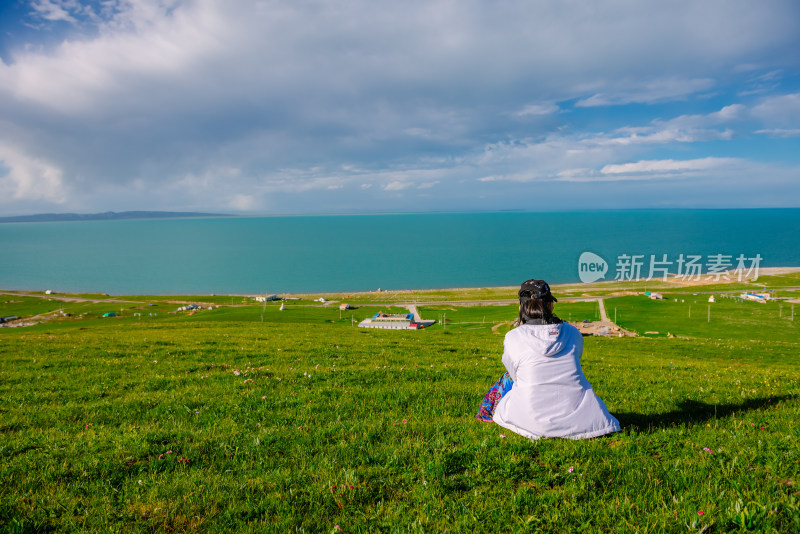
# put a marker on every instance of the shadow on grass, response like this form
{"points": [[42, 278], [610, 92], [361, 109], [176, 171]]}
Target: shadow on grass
{"points": [[691, 412]]}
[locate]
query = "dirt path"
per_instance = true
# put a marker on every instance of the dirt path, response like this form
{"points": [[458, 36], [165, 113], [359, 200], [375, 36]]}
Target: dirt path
{"points": [[603, 316]]}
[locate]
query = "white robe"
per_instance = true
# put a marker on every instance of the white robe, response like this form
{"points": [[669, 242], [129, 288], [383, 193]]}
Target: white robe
{"points": [[550, 397]]}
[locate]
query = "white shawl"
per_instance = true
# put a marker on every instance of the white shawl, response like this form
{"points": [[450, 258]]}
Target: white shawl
{"points": [[550, 397]]}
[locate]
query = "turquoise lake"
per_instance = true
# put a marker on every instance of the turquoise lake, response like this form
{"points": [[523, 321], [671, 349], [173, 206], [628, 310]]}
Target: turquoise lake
{"points": [[365, 252]]}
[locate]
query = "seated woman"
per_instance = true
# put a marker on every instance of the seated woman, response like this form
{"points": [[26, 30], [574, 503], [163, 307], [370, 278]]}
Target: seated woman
{"points": [[544, 392]]}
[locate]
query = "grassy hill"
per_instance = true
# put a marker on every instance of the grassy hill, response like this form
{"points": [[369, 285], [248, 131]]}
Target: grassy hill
{"points": [[249, 419]]}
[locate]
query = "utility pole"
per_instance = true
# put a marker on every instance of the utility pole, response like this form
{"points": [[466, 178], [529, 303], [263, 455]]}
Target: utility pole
{"points": [[690, 311], [709, 313]]}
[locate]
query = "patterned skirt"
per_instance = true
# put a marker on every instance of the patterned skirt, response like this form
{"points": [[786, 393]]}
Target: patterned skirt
{"points": [[493, 396]]}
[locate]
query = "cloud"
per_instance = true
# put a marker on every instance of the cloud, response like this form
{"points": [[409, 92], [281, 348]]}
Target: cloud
{"points": [[397, 186], [653, 91], [666, 166], [29, 178], [243, 203], [537, 109], [779, 109], [155, 102], [51, 10], [780, 132]]}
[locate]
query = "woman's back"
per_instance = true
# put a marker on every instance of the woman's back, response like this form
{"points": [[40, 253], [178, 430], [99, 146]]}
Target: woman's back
{"points": [[550, 396]]}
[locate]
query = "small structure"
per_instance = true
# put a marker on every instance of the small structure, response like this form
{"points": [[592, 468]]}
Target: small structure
{"points": [[322, 300], [267, 298], [712, 299], [757, 297], [283, 306], [344, 306], [109, 314], [393, 321], [654, 296], [48, 292]]}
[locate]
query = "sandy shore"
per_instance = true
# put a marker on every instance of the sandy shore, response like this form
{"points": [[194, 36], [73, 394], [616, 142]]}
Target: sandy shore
{"points": [[564, 287]]}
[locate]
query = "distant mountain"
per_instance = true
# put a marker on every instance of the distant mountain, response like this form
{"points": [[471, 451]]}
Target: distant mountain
{"points": [[109, 215]]}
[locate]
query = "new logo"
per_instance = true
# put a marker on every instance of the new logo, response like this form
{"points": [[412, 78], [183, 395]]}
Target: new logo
{"points": [[591, 267]]}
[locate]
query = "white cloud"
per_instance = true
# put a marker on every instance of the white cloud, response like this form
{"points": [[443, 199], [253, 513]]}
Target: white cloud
{"points": [[780, 132], [666, 166], [54, 10], [29, 178], [652, 91], [314, 100], [779, 110], [243, 203], [536, 110], [397, 185]]}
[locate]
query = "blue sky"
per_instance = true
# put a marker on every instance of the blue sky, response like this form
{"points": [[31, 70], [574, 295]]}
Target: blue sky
{"points": [[276, 107]]}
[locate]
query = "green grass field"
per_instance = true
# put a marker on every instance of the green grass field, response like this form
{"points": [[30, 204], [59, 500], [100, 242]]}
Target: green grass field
{"points": [[297, 421], [694, 316]]}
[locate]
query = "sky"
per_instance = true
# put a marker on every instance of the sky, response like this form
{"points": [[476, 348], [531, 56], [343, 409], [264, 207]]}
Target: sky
{"points": [[356, 106]]}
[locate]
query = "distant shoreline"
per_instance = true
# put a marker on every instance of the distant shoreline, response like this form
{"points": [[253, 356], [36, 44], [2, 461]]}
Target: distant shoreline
{"points": [[565, 286], [108, 216]]}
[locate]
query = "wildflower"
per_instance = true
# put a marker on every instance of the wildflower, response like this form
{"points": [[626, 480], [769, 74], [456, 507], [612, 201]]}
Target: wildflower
{"points": [[264, 397], [155, 361], [337, 527], [405, 421], [762, 428], [169, 452], [571, 469], [236, 372], [502, 436], [700, 512]]}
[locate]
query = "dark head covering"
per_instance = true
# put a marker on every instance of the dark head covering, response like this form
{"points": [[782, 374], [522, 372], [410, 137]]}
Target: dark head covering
{"points": [[535, 289]]}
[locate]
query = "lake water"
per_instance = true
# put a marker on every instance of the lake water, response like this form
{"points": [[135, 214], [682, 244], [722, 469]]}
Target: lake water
{"points": [[365, 252]]}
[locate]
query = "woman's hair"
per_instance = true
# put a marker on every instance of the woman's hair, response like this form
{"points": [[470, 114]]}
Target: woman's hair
{"points": [[535, 303], [536, 309]]}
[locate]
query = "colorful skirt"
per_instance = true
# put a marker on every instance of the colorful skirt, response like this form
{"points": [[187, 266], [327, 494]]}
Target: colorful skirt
{"points": [[493, 396]]}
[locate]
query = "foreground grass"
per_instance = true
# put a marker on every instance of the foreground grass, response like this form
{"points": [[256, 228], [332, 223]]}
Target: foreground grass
{"points": [[302, 422]]}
